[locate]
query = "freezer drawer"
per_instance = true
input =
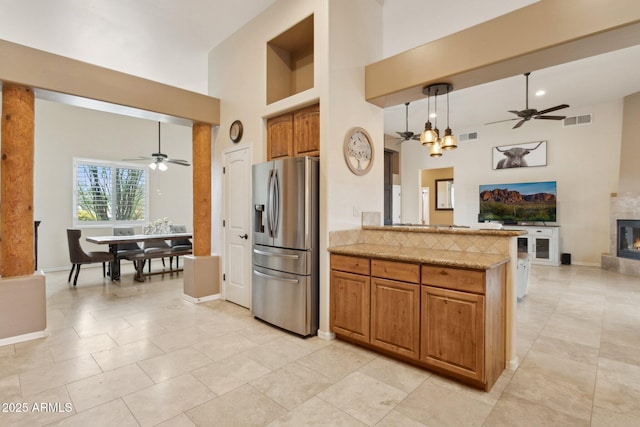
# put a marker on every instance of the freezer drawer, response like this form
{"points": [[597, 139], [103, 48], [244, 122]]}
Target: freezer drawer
{"points": [[289, 260], [284, 300]]}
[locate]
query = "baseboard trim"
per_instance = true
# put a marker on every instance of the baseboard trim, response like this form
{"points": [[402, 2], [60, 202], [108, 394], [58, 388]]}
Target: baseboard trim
{"points": [[327, 336], [22, 338], [513, 364], [201, 299]]}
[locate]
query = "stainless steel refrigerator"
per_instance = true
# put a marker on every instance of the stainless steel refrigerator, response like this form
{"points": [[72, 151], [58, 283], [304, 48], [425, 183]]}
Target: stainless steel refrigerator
{"points": [[284, 288]]}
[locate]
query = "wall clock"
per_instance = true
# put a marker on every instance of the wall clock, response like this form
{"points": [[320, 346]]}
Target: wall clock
{"points": [[358, 150], [235, 131]]}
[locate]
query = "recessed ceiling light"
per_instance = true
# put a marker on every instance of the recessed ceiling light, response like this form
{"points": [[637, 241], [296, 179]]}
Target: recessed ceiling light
{"points": [[540, 92]]}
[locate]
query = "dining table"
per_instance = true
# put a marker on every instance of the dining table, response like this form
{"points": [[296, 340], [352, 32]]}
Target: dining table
{"points": [[114, 241]]}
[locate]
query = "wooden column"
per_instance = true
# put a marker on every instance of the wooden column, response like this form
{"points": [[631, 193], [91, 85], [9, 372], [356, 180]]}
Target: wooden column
{"points": [[201, 189], [16, 193]]}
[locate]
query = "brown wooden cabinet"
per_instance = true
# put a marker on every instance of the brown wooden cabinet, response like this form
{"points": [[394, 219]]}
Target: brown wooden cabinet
{"points": [[395, 307], [350, 297], [444, 318], [452, 331], [280, 137], [462, 322], [294, 134]]}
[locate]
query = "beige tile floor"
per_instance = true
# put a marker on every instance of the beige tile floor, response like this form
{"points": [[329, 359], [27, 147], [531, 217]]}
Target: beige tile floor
{"points": [[132, 354]]}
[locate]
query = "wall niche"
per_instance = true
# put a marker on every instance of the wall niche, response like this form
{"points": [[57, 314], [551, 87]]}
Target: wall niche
{"points": [[290, 61]]}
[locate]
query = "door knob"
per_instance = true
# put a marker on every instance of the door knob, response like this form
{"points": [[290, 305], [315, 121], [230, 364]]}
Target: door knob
{"points": [[243, 236]]}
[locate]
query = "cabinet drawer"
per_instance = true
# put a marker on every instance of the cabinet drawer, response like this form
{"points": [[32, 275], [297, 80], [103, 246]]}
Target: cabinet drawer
{"points": [[545, 232], [350, 264], [454, 278], [395, 270]]}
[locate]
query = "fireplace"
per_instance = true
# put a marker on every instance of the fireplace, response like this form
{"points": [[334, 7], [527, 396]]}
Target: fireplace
{"points": [[629, 238]]}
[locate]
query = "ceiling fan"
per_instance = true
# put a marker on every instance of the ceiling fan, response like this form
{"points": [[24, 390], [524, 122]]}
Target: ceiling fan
{"points": [[159, 158], [531, 113], [407, 134]]}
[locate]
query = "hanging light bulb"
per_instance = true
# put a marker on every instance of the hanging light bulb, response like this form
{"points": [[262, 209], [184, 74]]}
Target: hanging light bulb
{"points": [[435, 149], [153, 165], [428, 136], [162, 166], [448, 140]]}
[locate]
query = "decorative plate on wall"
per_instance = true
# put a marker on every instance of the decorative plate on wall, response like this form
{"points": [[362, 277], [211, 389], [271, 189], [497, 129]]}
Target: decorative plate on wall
{"points": [[358, 150]]}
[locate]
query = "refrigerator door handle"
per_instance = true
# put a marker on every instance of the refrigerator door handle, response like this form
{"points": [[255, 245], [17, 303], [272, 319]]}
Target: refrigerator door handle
{"points": [[270, 203], [269, 254], [276, 205], [280, 279]]}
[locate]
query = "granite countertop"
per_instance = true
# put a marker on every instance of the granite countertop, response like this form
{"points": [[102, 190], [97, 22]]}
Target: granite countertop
{"points": [[443, 229], [422, 255]]}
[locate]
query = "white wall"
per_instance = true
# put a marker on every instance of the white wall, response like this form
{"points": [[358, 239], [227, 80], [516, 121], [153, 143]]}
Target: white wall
{"points": [[583, 160], [63, 132], [237, 73]]}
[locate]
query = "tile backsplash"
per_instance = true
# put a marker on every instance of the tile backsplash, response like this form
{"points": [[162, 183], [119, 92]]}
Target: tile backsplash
{"points": [[371, 219]]}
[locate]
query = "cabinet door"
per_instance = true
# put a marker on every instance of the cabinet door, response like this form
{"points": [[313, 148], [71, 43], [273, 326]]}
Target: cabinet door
{"points": [[350, 302], [395, 316], [280, 137], [306, 131], [542, 251], [452, 331]]}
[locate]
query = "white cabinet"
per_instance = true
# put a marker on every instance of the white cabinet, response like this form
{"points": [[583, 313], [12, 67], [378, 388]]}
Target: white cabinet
{"points": [[541, 243]]}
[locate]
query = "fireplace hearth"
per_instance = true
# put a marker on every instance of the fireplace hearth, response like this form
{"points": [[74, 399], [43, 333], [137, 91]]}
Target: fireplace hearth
{"points": [[629, 238]]}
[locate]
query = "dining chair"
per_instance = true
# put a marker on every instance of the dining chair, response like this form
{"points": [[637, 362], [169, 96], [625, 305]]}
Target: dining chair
{"points": [[179, 245], [126, 249], [155, 246], [78, 256]]}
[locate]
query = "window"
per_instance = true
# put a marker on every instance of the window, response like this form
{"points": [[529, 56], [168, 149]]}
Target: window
{"points": [[109, 193]]}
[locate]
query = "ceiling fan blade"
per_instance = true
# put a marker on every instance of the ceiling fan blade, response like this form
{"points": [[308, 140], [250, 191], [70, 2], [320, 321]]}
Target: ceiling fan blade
{"points": [[416, 137], [178, 162], [500, 121], [557, 107], [551, 117], [515, 112], [520, 123]]}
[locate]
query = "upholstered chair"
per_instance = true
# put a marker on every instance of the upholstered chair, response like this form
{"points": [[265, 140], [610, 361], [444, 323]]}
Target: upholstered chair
{"points": [[78, 256], [155, 246], [179, 245]]}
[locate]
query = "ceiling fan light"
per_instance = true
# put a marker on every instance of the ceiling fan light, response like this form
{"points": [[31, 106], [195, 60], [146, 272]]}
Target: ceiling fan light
{"points": [[435, 149], [153, 165], [449, 141], [162, 166]]}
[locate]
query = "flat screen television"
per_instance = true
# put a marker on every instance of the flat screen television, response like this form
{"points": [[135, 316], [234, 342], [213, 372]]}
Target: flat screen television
{"points": [[518, 202]]}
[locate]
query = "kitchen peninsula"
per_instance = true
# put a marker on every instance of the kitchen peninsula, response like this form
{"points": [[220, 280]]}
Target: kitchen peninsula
{"points": [[439, 297]]}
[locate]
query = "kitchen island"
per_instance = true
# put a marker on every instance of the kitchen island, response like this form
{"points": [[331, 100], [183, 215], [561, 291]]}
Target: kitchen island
{"points": [[440, 298]]}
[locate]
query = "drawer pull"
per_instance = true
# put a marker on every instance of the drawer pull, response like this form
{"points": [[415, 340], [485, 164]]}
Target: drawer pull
{"points": [[444, 273]]}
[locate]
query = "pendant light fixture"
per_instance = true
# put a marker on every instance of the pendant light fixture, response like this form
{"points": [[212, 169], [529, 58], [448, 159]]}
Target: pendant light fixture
{"points": [[431, 137], [428, 136], [435, 149], [448, 140]]}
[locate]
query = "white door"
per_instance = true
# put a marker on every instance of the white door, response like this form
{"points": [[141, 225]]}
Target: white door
{"points": [[424, 205], [237, 204], [396, 216]]}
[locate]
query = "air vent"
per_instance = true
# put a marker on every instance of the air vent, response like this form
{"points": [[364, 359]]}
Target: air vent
{"points": [[584, 119], [468, 136]]}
